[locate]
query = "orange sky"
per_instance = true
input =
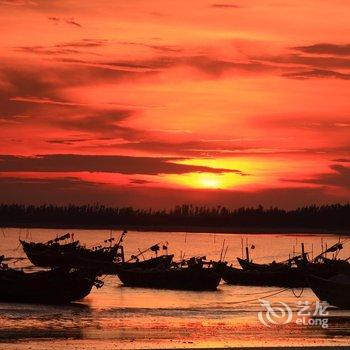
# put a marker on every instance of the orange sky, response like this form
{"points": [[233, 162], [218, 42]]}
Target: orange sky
{"points": [[156, 103]]}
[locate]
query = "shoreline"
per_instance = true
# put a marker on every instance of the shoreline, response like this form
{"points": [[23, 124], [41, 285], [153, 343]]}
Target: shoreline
{"points": [[42, 345], [190, 229]]}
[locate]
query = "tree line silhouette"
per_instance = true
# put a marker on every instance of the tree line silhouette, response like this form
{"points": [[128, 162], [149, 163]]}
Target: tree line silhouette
{"points": [[335, 216]]}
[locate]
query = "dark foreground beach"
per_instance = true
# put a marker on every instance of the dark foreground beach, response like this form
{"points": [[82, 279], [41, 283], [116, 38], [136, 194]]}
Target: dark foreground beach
{"points": [[113, 346]]}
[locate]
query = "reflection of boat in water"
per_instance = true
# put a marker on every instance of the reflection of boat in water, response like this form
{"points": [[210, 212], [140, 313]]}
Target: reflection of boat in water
{"points": [[57, 286], [192, 276], [334, 290]]}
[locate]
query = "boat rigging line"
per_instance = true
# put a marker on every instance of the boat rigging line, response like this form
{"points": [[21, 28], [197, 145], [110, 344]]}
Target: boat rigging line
{"points": [[256, 299], [279, 291]]}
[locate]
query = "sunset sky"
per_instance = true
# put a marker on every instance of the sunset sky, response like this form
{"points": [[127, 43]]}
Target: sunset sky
{"points": [[157, 103]]}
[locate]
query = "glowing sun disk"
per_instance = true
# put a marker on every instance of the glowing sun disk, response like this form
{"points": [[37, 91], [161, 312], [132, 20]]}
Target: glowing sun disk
{"points": [[208, 180]]}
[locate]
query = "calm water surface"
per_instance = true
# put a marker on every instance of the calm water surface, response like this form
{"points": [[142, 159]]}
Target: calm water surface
{"points": [[116, 317]]}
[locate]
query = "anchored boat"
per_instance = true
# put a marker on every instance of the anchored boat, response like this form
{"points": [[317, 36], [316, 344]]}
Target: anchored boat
{"points": [[293, 277], [55, 254], [324, 267], [163, 260], [334, 290], [193, 276], [289, 273], [59, 286]]}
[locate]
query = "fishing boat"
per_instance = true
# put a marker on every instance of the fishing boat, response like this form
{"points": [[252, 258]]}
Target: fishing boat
{"points": [[291, 277], [193, 276], [58, 286], [281, 274], [48, 253], [341, 265], [249, 265], [324, 267], [335, 290], [289, 273], [285, 265], [55, 254], [164, 260]]}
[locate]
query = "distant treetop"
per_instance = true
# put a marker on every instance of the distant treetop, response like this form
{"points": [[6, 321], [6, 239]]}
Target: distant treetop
{"points": [[334, 216]]}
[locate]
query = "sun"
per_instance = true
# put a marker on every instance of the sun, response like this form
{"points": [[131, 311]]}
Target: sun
{"points": [[228, 173], [209, 181], [205, 180]]}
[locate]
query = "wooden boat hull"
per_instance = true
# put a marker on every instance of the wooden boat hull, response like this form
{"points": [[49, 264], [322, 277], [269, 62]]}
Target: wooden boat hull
{"points": [[163, 260], [45, 287], [69, 255], [325, 269], [248, 265], [292, 278], [43, 255], [182, 279], [337, 266], [334, 292]]}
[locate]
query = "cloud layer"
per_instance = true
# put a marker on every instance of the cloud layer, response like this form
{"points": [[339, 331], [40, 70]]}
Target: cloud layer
{"points": [[107, 164], [152, 92]]}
